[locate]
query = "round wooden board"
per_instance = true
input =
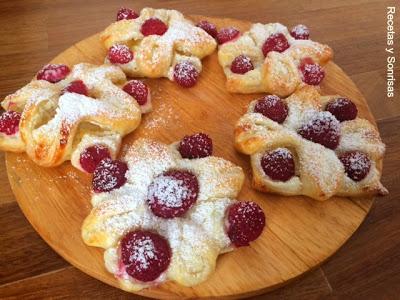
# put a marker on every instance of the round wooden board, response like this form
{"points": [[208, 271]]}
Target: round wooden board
{"points": [[301, 233]]}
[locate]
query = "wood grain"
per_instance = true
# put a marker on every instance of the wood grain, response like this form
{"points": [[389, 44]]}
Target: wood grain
{"points": [[22, 251], [291, 246], [34, 31]]}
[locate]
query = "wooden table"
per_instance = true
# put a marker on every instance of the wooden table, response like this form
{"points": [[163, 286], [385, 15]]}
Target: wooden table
{"points": [[368, 265]]}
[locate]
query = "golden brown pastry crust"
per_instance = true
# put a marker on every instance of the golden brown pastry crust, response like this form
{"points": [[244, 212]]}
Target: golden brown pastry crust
{"points": [[55, 128], [319, 173], [155, 56], [277, 73], [196, 239]]}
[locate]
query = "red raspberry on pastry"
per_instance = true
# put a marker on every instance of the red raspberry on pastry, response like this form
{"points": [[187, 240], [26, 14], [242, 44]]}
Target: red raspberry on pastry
{"points": [[278, 164], [342, 108], [77, 86], [119, 54], [227, 34], [92, 156], [146, 255], [356, 164], [196, 146], [241, 65], [272, 107], [153, 26], [323, 128], [275, 42], [245, 223], [126, 14], [9, 122], [109, 175], [300, 32], [53, 73], [172, 193], [208, 27], [312, 73], [138, 90], [185, 74]]}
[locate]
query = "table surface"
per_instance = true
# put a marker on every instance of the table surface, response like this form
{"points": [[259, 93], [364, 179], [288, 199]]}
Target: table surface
{"points": [[368, 265]]}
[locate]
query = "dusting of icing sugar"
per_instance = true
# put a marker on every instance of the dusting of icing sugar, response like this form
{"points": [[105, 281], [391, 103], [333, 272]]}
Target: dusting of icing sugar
{"points": [[299, 114], [183, 31], [93, 77], [327, 177], [72, 107], [142, 251], [169, 191], [181, 38], [322, 121], [358, 161], [162, 117], [189, 236], [300, 29]]}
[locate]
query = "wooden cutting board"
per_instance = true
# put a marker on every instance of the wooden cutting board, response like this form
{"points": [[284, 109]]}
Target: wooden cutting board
{"points": [[301, 233]]}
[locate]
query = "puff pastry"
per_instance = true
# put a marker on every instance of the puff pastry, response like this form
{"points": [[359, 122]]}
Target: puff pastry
{"points": [[63, 113], [267, 58], [298, 146], [192, 237], [156, 42]]}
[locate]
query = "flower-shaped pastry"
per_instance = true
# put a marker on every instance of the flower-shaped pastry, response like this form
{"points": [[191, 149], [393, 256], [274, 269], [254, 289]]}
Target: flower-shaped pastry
{"points": [[268, 58], [157, 43], [312, 145], [167, 212], [79, 115]]}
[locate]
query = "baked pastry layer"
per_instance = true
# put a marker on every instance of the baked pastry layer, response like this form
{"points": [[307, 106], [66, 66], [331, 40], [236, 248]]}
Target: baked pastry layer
{"points": [[276, 73], [318, 171], [156, 55], [57, 126], [195, 238]]}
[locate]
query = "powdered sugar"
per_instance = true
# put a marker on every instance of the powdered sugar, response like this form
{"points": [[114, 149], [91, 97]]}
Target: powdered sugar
{"points": [[168, 191], [109, 175], [300, 32], [276, 56], [142, 252], [321, 122], [159, 36], [189, 236], [120, 54], [316, 139]]}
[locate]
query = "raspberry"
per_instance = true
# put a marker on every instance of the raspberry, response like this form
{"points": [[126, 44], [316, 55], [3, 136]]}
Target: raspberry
{"points": [[195, 146], [126, 14], [275, 42], [300, 32], [312, 73], [92, 156], [323, 129], [246, 221], [342, 108], [208, 27], [356, 164], [241, 65], [272, 107], [227, 34], [172, 193], [278, 164], [145, 254], [185, 74], [153, 26], [138, 90], [109, 175], [77, 87], [53, 73], [9, 122], [119, 54]]}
